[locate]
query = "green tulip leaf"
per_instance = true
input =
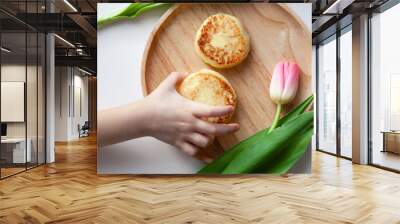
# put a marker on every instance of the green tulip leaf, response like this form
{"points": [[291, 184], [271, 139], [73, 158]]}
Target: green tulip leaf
{"points": [[219, 164], [289, 155], [132, 11], [251, 158]]}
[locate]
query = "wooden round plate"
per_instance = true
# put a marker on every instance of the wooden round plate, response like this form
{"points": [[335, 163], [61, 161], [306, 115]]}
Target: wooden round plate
{"points": [[275, 34]]}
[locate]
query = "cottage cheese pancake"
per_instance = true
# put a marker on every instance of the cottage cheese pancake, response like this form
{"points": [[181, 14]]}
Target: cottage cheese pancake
{"points": [[222, 41], [209, 87]]}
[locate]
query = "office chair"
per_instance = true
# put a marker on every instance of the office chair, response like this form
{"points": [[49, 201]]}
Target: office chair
{"points": [[84, 130]]}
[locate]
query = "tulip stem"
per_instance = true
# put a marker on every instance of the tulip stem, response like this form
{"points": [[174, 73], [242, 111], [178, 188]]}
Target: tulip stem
{"points": [[276, 119]]}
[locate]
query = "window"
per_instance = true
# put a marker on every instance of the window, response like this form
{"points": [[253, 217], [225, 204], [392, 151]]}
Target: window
{"points": [[335, 94], [385, 89], [346, 92], [327, 96]]}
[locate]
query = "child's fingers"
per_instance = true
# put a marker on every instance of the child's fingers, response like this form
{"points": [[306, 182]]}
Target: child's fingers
{"points": [[172, 79], [204, 110], [215, 129], [188, 148], [223, 129], [212, 138], [175, 77], [198, 139]]}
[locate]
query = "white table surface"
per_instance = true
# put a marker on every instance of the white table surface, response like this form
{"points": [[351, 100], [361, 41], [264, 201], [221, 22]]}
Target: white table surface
{"points": [[13, 140], [19, 149], [119, 54]]}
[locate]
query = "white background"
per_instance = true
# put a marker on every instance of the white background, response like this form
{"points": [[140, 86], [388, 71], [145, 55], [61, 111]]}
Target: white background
{"points": [[120, 49]]}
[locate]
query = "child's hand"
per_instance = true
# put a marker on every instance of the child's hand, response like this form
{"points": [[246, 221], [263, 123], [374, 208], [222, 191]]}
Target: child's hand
{"points": [[177, 121]]}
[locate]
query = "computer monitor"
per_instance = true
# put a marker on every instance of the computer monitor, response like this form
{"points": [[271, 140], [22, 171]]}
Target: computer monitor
{"points": [[3, 129]]}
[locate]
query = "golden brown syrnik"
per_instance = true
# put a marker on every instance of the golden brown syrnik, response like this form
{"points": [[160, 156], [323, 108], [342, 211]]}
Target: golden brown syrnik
{"points": [[221, 41], [209, 87]]}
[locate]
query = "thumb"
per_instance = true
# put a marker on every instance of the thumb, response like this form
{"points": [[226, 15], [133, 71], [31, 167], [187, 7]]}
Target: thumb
{"points": [[173, 79]]}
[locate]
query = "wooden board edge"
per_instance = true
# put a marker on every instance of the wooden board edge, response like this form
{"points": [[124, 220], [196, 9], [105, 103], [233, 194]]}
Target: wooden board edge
{"points": [[171, 11], [295, 16], [149, 45]]}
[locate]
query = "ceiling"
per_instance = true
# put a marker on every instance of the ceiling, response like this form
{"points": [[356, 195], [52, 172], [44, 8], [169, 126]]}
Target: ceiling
{"points": [[75, 28], [75, 22]]}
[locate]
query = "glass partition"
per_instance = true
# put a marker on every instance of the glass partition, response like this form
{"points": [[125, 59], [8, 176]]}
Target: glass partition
{"points": [[22, 100], [32, 84], [14, 153], [31, 99]]}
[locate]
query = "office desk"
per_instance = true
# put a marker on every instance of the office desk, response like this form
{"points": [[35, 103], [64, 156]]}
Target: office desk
{"points": [[391, 141], [13, 150]]}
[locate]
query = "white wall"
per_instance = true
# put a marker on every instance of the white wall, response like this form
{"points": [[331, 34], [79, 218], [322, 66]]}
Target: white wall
{"points": [[68, 81], [62, 81]]}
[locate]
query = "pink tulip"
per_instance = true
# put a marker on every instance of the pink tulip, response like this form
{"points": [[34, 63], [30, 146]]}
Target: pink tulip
{"points": [[284, 83], [283, 87]]}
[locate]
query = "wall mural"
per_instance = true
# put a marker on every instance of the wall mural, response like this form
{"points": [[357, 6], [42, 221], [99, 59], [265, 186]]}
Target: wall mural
{"points": [[204, 88]]}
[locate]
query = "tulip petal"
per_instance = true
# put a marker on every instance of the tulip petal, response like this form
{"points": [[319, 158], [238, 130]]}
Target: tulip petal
{"points": [[284, 82], [277, 83], [292, 74]]}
